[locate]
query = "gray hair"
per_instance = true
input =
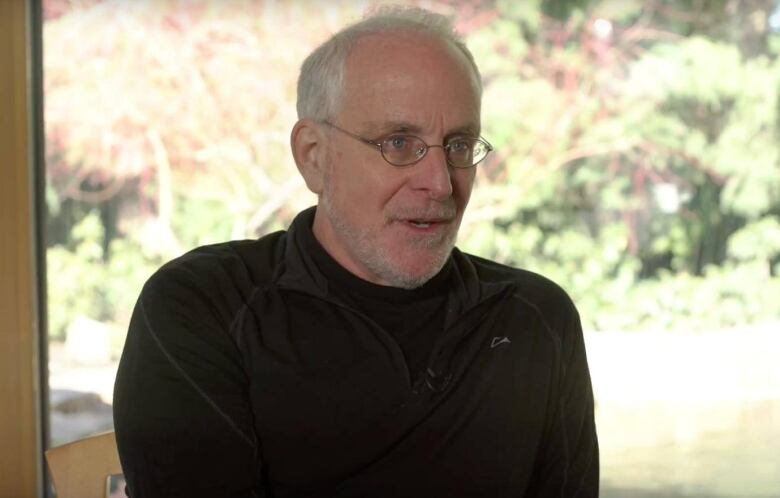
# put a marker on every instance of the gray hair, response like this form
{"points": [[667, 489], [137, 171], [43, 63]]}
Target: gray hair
{"points": [[321, 82]]}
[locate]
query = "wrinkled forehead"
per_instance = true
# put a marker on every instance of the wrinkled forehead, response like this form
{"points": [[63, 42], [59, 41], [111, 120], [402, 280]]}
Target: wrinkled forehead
{"points": [[410, 72], [413, 47]]}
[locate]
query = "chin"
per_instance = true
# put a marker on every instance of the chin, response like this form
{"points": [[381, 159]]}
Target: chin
{"points": [[409, 280], [405, 276]]}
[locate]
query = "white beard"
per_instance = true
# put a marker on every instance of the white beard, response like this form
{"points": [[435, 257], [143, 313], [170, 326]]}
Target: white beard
{"points": [[365, 247]]}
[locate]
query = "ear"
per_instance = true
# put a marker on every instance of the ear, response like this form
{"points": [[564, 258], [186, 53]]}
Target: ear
{"points": [[308, 144]]}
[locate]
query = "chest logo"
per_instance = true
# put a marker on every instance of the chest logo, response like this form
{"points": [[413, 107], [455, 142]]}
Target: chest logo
{"points": [[497, 341]]}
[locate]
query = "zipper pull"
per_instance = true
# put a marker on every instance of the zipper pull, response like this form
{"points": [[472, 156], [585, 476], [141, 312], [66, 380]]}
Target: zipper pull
{"points": [[436, 382]]}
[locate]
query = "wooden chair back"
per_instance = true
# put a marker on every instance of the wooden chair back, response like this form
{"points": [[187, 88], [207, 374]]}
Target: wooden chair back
{"points": [[80, 469]]}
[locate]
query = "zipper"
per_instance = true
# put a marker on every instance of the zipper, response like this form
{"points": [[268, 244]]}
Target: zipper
{"points": [[436, 380]]}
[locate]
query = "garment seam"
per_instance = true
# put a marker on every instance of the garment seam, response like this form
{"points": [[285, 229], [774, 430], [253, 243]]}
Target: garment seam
{"points": [[560, 408], [189, 379], [239, 316]]}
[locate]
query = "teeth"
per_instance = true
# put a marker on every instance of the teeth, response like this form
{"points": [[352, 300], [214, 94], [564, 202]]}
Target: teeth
{"points": [[420, 224]]}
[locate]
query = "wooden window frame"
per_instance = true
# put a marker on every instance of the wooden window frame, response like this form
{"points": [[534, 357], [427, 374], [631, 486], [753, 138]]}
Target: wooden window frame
{"points": [[22, 345]]}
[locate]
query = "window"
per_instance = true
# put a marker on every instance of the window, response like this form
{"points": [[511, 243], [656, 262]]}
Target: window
{"points": [[636, 164]]}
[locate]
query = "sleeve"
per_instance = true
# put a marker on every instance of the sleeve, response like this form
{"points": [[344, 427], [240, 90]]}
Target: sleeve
{"points": [[568, 463], [182, 415]]}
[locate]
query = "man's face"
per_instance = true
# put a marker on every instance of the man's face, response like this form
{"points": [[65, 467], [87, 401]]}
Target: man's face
{"points": [[386, 224]]}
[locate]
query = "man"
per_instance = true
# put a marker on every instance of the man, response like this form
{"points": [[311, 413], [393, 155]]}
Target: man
{"points": [[358, 354]]}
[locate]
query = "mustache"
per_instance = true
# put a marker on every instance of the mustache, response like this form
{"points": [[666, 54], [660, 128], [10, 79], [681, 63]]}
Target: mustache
{"points": [[439, 211]]}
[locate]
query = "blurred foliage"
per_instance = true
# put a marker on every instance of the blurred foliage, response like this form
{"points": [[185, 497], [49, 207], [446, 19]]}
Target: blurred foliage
{"points": [[85, 280], [637, 157], [640, 164]]}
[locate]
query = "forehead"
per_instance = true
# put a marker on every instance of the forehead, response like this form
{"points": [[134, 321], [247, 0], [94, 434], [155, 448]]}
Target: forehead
{"points": [[409, 77]]}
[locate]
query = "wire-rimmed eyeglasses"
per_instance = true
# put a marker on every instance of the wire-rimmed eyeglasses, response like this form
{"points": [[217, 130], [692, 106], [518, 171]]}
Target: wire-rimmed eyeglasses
{"points": [[400, 149]]}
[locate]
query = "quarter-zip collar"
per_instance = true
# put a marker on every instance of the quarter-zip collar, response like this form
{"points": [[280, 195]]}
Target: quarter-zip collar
{"points": [[468, 301], [299, 271]]}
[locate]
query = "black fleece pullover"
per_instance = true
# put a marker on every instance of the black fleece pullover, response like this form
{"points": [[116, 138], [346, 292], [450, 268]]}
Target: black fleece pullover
{"points": [[249, 370]]}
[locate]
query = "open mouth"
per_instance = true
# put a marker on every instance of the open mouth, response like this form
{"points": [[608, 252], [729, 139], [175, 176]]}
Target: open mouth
{"points": [[426, 224]]}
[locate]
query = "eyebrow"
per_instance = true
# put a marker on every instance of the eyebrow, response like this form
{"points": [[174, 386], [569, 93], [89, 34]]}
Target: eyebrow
{"points": [[374, 128], [469, 129], [379, 129]]}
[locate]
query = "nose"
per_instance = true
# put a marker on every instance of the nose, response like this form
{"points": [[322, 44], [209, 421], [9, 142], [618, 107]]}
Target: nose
{"points": [[432, 174]]}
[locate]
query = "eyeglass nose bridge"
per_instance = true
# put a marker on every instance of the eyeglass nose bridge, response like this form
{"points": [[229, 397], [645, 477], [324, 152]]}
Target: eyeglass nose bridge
{"points": [[422, 151]]}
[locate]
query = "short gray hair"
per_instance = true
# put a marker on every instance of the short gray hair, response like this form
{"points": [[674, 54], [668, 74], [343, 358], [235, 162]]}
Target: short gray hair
{"points": [[321, 81]]}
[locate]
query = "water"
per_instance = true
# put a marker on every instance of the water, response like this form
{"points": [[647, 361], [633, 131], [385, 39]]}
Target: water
{"points": [[674, 449]]}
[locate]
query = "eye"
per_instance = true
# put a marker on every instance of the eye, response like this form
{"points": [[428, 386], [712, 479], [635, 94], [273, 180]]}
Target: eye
{"points": [[397, 142], [460, 145]]}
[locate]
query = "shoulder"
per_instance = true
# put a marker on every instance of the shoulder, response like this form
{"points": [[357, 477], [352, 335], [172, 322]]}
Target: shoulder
{"points": [[532, 286], [530, 289], [233, 268]]}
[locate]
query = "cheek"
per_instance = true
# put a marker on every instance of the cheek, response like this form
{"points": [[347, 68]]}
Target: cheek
{"points": [[341, 177], [375, 184], [361, 189], [462, 182]]}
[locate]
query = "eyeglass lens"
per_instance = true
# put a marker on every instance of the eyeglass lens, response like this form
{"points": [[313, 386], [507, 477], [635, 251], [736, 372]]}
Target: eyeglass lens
{"points": [[461, 152]]}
